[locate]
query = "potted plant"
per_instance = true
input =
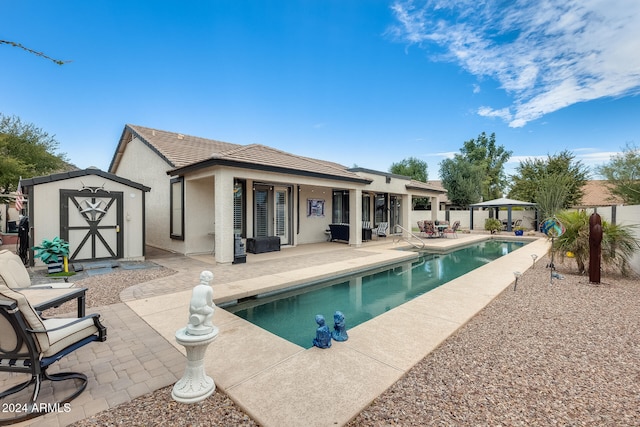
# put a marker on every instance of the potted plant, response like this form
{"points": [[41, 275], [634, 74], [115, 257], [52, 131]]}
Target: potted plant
{"points": [[52, 252], [518, 231]]}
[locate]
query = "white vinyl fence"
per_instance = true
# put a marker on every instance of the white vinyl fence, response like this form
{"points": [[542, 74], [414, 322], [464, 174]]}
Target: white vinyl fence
{"points": [[624, 215]]}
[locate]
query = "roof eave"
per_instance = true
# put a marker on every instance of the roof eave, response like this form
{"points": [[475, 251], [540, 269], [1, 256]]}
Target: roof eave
{"points": [[253, 166], [79, 173], [115, 161]]}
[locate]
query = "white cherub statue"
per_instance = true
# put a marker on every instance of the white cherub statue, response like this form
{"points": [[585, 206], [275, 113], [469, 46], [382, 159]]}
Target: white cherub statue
{"points": [[201, 307]]}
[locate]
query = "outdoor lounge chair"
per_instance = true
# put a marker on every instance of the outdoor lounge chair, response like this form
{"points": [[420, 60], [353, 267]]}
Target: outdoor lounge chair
{"points": [[16, 276], [30, 344]]}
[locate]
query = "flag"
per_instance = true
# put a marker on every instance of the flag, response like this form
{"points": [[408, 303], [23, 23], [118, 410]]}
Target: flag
{"points": [[19, 198]]}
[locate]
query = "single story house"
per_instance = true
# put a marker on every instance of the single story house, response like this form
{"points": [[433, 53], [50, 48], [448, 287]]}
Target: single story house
{"points": [[205, 192]]}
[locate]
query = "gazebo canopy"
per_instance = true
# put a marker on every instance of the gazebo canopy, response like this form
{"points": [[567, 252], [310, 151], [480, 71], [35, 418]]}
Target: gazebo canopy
{"points": [[502, 202]]}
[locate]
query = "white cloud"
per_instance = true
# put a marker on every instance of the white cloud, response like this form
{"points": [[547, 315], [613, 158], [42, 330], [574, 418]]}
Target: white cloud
{"points": [[546, 55], [503, 113]]}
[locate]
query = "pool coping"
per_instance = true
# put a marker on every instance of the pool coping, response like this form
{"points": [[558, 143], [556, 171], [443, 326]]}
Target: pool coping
{"points": [[280, 384]]}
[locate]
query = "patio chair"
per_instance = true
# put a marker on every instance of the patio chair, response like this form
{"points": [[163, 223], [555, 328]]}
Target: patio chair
{"points": [[381, 229], [430, 229], [31, 344], [16, 276], [453, 230]]}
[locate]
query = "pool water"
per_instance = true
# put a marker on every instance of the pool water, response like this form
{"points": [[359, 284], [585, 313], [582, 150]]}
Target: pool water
{"points": [[361, 297]]}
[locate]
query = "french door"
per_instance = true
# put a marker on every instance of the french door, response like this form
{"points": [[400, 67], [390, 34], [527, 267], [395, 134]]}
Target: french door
{"points": [[272, 213]]}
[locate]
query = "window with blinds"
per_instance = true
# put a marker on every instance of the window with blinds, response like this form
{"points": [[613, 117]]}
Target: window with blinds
{"points": [[239, 204]]}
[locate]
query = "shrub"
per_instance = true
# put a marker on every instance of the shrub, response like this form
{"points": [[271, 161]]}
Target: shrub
{"points": [[493, 225], [617, 247]]}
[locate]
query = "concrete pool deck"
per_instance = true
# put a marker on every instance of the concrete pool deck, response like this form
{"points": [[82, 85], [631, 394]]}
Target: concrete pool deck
{"points": [[276, 382], [281, 384]]}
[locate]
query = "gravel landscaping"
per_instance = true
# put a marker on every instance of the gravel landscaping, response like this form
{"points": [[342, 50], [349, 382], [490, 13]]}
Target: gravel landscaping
{"points": [[548, 354]]}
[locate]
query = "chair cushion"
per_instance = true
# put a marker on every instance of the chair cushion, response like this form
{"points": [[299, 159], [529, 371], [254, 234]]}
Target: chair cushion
{"points": [[12, 270], [63, 338], [31, 318]]}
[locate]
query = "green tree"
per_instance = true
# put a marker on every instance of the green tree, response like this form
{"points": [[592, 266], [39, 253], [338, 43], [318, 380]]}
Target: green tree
{"points": [[26, 151], [490, 158], [623, 174], [529, 176], [412, 167], [551, 194], [462, 180], [618, 244]]}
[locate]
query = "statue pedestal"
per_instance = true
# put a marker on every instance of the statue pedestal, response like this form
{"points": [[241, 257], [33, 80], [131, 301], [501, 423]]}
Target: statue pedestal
{"points": [[195, 385]]}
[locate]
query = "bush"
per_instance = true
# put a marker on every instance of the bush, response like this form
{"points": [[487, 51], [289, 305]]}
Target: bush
{"points": [[493, 225], [617, 247]]}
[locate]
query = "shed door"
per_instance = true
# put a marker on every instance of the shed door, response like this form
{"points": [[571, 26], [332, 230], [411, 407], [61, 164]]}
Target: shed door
{"points": [[91, 221]]}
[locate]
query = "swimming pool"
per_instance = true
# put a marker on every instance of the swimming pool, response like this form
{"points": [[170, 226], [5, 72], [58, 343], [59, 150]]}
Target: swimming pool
{"points": [[361, 297]]}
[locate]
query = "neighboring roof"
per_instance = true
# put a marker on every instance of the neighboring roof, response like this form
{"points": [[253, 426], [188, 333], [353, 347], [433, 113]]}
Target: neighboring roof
{"points": [[419, 185], [596, 193], [184, 153], [79, 173], [503, 201]]}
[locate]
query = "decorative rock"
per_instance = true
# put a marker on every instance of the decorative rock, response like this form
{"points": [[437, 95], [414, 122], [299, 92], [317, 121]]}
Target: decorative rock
{"points": [[339, 328], [195, 385], [323, 335]]}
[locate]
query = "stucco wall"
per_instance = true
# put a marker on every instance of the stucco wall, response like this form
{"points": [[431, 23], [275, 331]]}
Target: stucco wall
{"points": [[199, 215], [312, 228], [140, 164]]}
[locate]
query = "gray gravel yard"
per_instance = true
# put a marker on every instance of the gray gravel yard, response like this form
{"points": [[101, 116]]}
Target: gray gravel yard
{"points": [[566, 353]]}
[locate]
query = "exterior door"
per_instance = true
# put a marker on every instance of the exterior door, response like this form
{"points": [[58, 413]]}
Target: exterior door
{"points": [[91, 220]]}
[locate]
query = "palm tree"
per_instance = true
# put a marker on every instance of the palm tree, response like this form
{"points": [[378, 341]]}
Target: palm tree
{"points": [[618, 244]]}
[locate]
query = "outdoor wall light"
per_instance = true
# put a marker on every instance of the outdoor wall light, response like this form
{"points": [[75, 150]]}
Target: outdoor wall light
{"points": [[534, 257], [517, 275]]}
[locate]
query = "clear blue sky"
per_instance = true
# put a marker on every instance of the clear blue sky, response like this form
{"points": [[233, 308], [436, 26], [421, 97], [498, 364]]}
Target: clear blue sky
{"points": [[364, 82]]}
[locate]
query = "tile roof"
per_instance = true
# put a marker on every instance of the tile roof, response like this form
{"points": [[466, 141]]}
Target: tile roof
{"points": [[429, 186], [179, 149], [596, 193], [186, 152]]}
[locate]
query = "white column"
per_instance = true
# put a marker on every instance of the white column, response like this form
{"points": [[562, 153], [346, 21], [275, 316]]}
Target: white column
{"points": [[355, 217], [224, 216], [435, 207]]}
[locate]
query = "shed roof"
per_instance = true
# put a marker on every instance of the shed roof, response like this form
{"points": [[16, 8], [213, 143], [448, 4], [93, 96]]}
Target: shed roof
{"points": [[80, 173]]}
